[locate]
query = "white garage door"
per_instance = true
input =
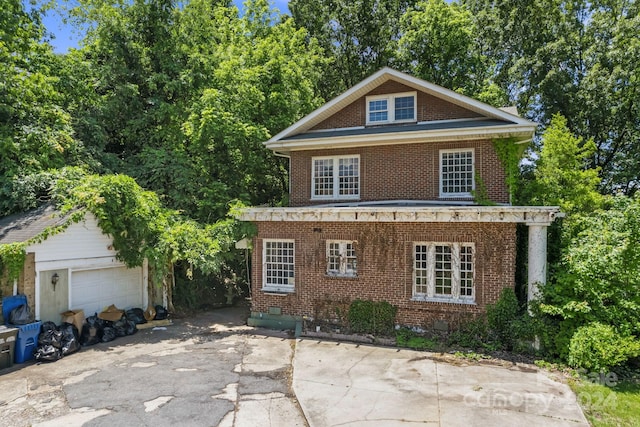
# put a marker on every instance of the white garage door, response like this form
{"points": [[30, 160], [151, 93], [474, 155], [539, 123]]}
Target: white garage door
{"points": [[93, 290]]}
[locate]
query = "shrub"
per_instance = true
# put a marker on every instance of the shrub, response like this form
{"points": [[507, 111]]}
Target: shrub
{"points": [[600, 347], [472, 333], [372, 317]]}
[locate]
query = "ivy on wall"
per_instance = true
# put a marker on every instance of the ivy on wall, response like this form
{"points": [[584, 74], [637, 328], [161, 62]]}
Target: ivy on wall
{"points": [[510, 154]]}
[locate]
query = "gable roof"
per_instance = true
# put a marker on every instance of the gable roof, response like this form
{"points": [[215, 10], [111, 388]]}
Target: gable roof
{"points": [[493, 122], [24, 226]]}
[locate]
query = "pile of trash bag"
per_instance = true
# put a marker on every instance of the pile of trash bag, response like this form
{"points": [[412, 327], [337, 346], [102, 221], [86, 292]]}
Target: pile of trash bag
{"points": [[96, 330], [55, 342]]}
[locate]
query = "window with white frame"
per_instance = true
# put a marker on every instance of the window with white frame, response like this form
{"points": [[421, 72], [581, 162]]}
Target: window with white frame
{"points": [[336, 177], [341, 258], [457, 173], [278, 262], [391, 108], [444, 271]]}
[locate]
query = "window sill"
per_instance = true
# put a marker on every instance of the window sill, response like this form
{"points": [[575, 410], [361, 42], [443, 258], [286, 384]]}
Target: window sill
{"points": [[341, 276], [444, 300], [277, 292]]}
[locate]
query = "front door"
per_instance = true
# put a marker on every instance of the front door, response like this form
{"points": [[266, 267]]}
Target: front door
{"points": [[53, 299]]}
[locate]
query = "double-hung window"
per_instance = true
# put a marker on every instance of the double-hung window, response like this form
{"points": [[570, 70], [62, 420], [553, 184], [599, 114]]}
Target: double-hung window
{"points": [[341, 258], [392, 108], [443, 272], [336, 177], [278, 265], [457, 173]]}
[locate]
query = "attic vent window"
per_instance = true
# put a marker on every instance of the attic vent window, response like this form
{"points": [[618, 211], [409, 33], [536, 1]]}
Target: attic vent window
{"points": [[391, 108]]}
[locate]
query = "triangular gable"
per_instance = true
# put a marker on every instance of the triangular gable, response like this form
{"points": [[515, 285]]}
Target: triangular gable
{"points": [[369, 85]]}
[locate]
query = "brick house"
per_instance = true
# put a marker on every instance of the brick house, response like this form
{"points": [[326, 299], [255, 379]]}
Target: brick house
{"points": [[382, 207]]}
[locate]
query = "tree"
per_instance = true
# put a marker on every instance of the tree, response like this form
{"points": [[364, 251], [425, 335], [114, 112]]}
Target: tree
{"points": [[562, 174], [438, 44], [35, 131], [359, 36], [579, 59]]}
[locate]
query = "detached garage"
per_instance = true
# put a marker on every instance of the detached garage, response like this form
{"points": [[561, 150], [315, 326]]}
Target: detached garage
{"points": [[74, 269]]}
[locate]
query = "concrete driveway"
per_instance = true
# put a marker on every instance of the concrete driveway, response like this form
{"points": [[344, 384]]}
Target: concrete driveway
{"points": [[212, 370]]}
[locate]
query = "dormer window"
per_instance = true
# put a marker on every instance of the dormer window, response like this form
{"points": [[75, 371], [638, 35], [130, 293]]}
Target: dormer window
{"points": [[391, 108]]}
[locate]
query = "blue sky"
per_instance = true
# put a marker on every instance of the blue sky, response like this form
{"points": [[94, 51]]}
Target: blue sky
{"points": [[66, 37]]}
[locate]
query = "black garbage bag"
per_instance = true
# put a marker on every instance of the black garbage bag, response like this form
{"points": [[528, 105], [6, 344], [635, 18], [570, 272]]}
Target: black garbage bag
{"points": [[51, 337], [90, 335], [92, 330], [108, 334], [70, 338], [136, 315], [47, 353], [161, 313], [21, 315], [120, 327], [48, 326], [131, 327]]}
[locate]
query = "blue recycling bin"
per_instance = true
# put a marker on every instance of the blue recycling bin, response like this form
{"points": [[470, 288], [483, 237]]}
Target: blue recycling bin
{"points": [[27, 340]]}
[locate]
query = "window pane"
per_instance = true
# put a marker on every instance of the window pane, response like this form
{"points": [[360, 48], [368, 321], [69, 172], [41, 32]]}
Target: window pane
{"points": [[348, 173], [443, 269], [457, 172], [466, 271], [323, 177], [420, 286], [279, 263], [378, 110], [404, 108], [341, 258]]}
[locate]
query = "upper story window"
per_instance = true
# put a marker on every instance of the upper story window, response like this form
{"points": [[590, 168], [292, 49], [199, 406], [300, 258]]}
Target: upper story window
{"points": [[392, 108], [336, 177], [341, 258], [457, 173]]}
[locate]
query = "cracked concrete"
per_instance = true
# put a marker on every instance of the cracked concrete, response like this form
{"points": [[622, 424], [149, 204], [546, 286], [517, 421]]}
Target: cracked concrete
{"points": [[211, 370]]}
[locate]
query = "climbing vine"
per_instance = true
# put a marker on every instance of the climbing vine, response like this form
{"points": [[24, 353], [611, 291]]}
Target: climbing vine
{"points": [[141, 228], [510, 154]]}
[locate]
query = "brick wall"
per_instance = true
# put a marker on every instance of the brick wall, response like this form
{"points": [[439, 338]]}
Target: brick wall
{"points": [[429, 108], [385, 268], [400, 172], [26, 282]]}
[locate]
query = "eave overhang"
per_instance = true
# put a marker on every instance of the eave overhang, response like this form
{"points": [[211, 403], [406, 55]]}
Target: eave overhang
{"points": [[522, 132], [530, 215], [361, 89]]}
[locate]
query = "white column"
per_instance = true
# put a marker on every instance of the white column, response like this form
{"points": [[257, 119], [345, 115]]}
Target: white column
{"points": [[537, 271]]}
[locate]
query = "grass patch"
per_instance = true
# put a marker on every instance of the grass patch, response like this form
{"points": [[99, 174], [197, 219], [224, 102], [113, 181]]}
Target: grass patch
{"points": [[605, 406], [407, 338]]}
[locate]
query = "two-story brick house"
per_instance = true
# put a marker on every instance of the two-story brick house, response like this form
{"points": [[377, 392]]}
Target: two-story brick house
{"points": [[382, 185]]}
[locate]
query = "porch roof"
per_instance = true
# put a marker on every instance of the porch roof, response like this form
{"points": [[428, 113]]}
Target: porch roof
{"points": [[530, 215]]}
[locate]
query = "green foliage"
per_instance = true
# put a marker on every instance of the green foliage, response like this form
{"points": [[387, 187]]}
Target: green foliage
{"points": [[12, 257], [371, 317], [406, 337], [579, 59], [561, 175], [600, 347], [510, 153], [598, 279], [472, 333], [511, 327], [438, 44]]}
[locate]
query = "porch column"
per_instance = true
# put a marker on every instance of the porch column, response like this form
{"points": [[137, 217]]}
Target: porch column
{"points": [[537, 270]]}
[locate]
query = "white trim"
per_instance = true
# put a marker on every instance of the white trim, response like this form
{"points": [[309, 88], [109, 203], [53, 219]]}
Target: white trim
{"points": [[335, 194], [430, 269], [278, 288], [394, 138], [468, 194], [470, 119], [391, 110], [530, 215], [382, 76]]}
